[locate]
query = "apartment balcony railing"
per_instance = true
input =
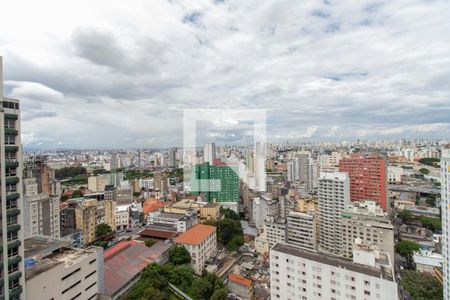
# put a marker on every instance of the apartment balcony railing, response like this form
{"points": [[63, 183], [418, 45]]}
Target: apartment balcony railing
{"points": [[15, 292], [12, 180], [12, 212], [14, 260], [11, 148], [12, 196], [11, 116], [13, 228], [11, 163], [11, 131]]}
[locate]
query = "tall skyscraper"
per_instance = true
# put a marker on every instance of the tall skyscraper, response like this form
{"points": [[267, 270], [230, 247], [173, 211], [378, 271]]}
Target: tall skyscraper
{"points": [[209, 153], [445, 196], [367, 178], [334, 196], [12, 270]]}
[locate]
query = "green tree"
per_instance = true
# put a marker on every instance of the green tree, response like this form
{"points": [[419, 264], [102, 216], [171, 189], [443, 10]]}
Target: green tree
{"points": [[99, 171], [424, 171], [430, 161], [151, 293], [221, 294], [421, 285], [136, 194], [178, 255], [103, 244], [183, 277], [229, 214], [202, 289], [406, 248], [431, 201], [150, 243], [103, 230], [64, 197], [432, 224], [68, 172], [77, 194], [405, 215]]}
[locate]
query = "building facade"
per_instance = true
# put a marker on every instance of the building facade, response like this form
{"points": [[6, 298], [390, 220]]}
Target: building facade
{"points": [[301, 230], [297, 274], [367, 178], [334, 196], [201, 243], [445, 196], [367, 222], [11, 199]]}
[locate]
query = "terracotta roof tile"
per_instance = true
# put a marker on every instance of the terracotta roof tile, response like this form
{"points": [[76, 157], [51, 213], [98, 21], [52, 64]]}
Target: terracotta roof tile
{"points": [[195, 235]]}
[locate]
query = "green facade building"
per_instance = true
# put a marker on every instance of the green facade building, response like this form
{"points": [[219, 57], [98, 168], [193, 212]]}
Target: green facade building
{"points": [[218, 183]]}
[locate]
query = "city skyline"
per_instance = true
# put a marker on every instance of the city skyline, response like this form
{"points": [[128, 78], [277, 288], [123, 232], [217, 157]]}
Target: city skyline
{"points": [[323, 71]]}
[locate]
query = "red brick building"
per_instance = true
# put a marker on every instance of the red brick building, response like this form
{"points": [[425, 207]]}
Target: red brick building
{"points": [[367, 177]]}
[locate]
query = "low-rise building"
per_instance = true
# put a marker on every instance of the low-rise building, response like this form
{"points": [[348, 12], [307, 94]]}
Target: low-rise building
{"points": [[201, 243], [53, 270], [124, 263], [210, 211], [122, 217], [427, 261], [240, 286]]}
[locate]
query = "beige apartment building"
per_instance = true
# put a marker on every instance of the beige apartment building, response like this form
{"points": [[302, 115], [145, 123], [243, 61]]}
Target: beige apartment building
{"points": [[89, 213], [98, 183], [367, 222], [201, 243]]}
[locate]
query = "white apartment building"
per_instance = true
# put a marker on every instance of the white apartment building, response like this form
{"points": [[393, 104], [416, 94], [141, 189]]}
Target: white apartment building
{"points": [[302, 275], [276, 231], [262, 207], [334, 197], [201, 243], [445, 196], [57, 272], [301, 230], [367, 222], [395, 174], [146, 183]]}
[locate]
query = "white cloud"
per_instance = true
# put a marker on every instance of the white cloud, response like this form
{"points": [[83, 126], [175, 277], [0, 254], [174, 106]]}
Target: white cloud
{"points": [[115, 74]]}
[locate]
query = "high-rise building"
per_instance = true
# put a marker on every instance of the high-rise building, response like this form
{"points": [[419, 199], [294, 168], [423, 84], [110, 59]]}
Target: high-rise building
{"points": [[334, 196], [300, 274], [160, 182], [367, 178], [275, 231], [11, 199], [172, 157], [445, 196], [367, 222], [301, 230], [209, 153], [115, 162], [41, 211]]}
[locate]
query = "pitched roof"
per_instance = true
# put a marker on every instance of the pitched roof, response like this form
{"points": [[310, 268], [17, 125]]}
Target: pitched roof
{"points": [[195, 235], [240, 279]]}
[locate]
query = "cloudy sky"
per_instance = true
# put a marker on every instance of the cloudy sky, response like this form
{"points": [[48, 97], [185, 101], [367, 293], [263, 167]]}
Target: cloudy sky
{"points": [[112, 74]]}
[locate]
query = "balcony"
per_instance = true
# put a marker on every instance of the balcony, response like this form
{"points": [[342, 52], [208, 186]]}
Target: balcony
{"points": [[12, 180], [11, 131], [12, 196], [15, 275], [11, 163], [11, 116], [13, 228], [14, 260], [15, 292], [10, 148], [14, 244], [12, 212]]}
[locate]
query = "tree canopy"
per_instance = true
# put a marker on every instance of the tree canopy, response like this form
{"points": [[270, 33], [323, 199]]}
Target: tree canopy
{"points": [[424, 171], [103, 230], [406, 248], [69, 172], [430, 161], [178, 255], [421, 285]]}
